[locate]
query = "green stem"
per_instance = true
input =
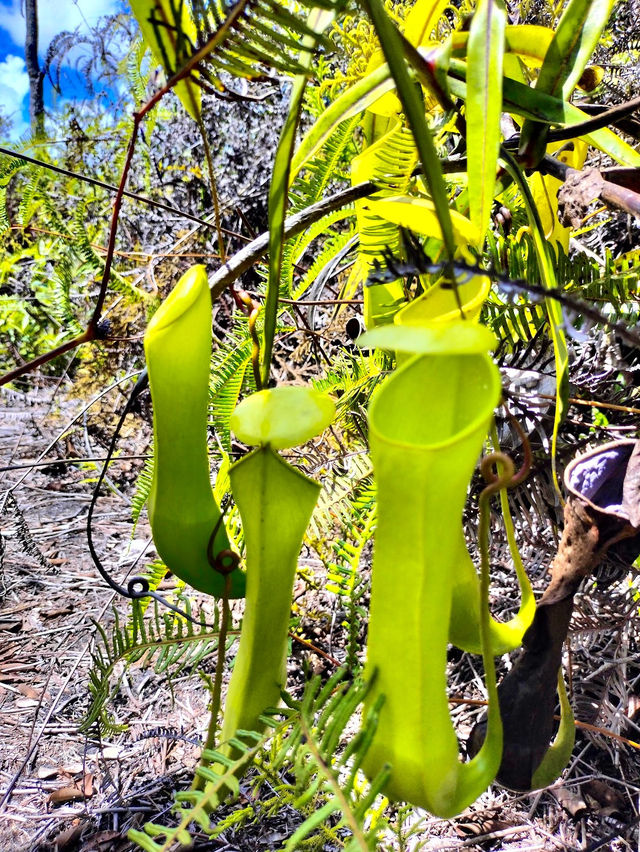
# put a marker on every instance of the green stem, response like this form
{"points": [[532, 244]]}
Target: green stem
{"points": [[216, 696]]}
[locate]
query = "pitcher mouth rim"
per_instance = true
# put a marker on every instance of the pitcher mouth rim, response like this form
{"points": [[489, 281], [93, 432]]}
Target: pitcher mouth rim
{"points": [[493, 398]]}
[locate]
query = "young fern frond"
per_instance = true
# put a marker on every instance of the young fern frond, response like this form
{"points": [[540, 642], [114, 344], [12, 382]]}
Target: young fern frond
{"points": [[390, 165], [143, 489], [294, 251], [339, 492], [196, 806], [137, 80], [84, 249], [30, 197], [332, 161], [9, 166], [172, 644], [327, 778], [344, 576], [310, 744]]}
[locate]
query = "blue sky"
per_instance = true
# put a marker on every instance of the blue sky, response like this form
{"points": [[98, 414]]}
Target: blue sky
{"points": [[55, 16]]}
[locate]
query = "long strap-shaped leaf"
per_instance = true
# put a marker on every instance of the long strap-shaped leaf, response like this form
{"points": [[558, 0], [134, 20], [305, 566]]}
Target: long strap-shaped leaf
{"points": [[427, 426], [182, 510], [554, 309], [539, 106], [413, 106], [484, 107], [318, 20], [574, 41]]}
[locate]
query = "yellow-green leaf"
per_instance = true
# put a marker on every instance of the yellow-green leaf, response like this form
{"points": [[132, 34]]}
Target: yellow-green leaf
{"points": [[484, 107], [168, 39], [419, 215]]}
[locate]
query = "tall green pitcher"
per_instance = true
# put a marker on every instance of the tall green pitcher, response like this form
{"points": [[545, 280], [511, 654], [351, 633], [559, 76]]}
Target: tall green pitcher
{"points": [[427, 426]]}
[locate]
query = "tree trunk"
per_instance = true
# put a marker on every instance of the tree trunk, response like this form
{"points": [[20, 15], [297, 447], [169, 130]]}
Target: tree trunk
{"points": [[36, 75]]}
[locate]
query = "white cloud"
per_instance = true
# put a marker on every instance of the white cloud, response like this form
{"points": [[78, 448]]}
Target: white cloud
{"points": [[55, 16], [14, 87]]}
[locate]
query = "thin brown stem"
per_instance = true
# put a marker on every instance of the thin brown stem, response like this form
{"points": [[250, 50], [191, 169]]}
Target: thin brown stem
{"points": [[214, 190], [85, 337]]}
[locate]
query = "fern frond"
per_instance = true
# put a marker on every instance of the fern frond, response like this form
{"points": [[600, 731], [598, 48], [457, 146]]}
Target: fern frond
{"points": [[391, 166], [30, 197], [167, 641], [344, 576], [247, 39], [143, 490], [229, 369], [84, 250], [250, 37], [335, 248], [57, 296], [326, 769], [338, 495], [9, 166], [332, 162], [160, 838]]}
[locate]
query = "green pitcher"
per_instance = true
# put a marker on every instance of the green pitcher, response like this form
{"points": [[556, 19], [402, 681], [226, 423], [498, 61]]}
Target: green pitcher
{"points": [[427, 426]]}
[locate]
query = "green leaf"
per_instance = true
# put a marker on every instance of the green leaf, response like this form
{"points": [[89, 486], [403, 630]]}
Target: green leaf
{"points": [[318, 20], [523, 100], [414, 109], [356, 99], [572, 46], [570, 50], [554, 309], [421, 215], [484, 107]]}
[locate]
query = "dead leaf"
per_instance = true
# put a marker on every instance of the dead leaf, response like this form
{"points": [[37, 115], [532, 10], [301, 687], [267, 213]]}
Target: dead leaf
{"points": [[633, 707], [480, 827], [571, 801], [67, 839], [576, 194], [45, 772], [55, 613], [28, 691], [112, 753], [11, 625], [103, 841], [26, 703], [606, 800], [73, 792]]}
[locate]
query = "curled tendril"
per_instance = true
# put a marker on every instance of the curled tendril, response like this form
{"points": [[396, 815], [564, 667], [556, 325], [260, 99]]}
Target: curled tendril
{"points": [[503, 479]]}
